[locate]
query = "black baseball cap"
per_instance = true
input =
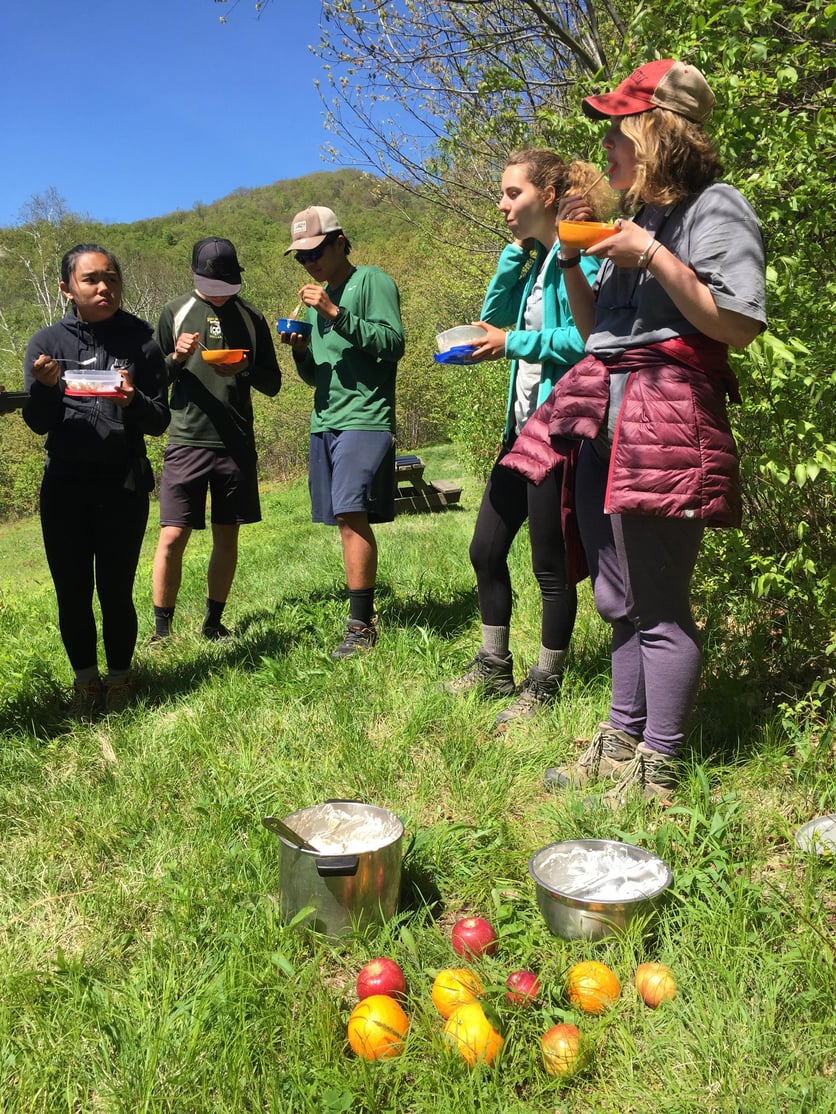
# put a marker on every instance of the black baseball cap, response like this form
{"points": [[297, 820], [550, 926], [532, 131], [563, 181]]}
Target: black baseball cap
{"points": [[215, 267]]}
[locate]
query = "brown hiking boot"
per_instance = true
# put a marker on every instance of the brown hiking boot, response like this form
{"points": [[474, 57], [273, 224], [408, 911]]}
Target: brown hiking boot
{"points": [[538, 690], [118, 695], [608, 755], [491, 674], [651, 776], [86, 700]]}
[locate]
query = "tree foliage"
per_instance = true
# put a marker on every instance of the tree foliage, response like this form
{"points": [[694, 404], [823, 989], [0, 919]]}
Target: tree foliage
{"points": [[466, 82]]}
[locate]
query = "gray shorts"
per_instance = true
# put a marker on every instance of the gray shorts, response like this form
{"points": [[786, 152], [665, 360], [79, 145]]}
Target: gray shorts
{"points": [[190, 472], [352, 471]]}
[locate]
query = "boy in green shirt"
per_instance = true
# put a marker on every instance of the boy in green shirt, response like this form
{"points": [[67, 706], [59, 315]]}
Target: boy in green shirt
{"points": [[350, 358]]}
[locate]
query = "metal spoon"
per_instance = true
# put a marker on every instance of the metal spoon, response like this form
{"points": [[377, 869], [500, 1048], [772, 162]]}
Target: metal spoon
{"points": [[278, 827]]}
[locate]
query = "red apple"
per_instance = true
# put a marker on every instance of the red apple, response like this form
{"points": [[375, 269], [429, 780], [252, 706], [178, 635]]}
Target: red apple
{"points": [[473, 936], [381, 976], [523, 987]]}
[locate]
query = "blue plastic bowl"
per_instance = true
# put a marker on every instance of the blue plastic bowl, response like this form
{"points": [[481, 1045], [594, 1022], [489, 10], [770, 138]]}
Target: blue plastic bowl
{"points": [[289, 325]]}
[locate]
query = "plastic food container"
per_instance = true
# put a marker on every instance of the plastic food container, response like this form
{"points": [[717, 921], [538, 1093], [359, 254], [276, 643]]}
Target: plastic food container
{"points": [[87, 382], [592, 888], [293, 325], [583, 233], [460, 335]]}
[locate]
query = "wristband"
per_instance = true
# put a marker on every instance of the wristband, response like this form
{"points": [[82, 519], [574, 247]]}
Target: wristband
{"points": [[650, 257], [565, 264]]}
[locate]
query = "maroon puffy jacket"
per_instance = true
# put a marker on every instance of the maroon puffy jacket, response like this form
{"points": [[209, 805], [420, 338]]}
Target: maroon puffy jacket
{"points": [[673, 452]]}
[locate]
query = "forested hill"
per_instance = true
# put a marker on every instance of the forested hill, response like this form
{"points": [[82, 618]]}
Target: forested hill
{"points": [[386, 225], [155, 254]]}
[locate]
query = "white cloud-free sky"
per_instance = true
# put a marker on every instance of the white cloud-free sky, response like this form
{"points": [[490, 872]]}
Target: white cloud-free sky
{"points": [[134, 108]]}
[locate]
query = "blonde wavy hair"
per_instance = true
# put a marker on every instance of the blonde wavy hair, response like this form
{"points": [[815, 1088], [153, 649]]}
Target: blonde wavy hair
{"points": [[545, 168], [675, 157]]}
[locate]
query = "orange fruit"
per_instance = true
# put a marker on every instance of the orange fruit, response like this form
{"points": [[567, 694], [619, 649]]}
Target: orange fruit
{"points": [[454, 987], [591, 986], [561, 1049], [377, 1028], [472, 1035]]}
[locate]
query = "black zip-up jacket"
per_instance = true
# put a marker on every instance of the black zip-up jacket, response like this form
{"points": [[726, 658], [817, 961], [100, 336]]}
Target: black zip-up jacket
{"points": [[94, 436]]}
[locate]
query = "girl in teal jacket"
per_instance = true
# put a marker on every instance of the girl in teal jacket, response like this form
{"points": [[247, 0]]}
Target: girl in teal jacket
{"points": [[527, 298]]}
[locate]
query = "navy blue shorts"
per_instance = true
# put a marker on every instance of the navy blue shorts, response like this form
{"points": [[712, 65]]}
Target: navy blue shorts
{"points": [[352, 471], [189, 472]]}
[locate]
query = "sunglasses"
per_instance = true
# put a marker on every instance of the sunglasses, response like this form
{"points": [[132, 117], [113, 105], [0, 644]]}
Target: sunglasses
{"points": [[312, 255]]}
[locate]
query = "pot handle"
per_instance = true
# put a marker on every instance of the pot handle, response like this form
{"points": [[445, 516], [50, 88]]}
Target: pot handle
{"points": [[335, 866]]}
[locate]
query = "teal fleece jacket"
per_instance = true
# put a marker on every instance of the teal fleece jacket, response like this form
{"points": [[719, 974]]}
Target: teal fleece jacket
{"points": [[558, 346]]}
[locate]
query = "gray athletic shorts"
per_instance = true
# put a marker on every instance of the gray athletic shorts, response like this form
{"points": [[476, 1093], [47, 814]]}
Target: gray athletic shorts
{"points": [[352, 471]]}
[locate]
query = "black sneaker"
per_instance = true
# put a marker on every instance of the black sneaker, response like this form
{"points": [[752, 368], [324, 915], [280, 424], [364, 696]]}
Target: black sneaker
{"points": [[490, 674], [217, 633], [538, 690], [359, 638]]}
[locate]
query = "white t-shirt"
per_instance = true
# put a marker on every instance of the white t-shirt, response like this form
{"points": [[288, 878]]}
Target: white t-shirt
{"points": [[528, 377]]}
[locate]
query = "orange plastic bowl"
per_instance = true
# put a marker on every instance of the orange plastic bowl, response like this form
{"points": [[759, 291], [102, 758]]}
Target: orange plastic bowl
{"points": [[583, 233], [224, 355]]}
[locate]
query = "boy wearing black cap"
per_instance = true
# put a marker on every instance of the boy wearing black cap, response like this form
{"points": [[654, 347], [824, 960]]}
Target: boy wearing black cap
{"points": [[350, 357], [211, 444]]}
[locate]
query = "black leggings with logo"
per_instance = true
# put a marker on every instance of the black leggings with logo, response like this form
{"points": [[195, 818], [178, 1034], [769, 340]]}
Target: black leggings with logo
{"points": [[93, 531]]}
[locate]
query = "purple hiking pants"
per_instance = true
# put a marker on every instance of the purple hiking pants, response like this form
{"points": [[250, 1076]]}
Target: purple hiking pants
{"points": [[641, 568]]}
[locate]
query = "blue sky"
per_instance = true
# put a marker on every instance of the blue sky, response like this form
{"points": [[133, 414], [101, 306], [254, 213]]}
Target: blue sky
{"points": [[135, 108]]}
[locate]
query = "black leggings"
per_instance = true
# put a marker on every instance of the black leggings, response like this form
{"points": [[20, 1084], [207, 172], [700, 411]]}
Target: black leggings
{"points": [[93, 531], [508, 500]]}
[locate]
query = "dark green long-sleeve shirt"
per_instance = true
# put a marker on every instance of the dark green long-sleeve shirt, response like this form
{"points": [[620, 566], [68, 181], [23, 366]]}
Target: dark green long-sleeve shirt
{"points": [[352, 361]]}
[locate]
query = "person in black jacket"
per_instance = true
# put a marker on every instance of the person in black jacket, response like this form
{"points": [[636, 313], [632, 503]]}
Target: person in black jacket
{"points": [[94, 494]]}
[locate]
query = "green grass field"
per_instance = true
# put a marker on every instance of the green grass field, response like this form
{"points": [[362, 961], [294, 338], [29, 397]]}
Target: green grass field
{"points": [[144, 962]]}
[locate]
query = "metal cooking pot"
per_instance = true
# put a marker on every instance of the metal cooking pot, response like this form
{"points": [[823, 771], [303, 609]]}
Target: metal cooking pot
{"points": [[569, 905], [354, 878]]}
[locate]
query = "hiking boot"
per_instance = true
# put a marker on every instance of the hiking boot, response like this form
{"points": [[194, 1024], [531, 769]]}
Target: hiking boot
{"points": [[358, 639], [490, 674], [86, 700], [608, 755], [650, 776], [216, 633], [118, 695], [537, 691]]}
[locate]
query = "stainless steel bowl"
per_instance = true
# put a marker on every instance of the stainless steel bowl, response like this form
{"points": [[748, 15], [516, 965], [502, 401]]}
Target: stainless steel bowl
{"points": [[572, 904]]}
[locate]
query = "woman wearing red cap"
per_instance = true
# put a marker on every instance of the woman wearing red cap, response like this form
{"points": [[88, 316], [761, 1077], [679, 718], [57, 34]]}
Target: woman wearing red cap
{"points": [[678, 284]]}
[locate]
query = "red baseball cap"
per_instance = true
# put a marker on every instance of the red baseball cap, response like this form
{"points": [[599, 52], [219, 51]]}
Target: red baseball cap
{"points": [[663, 84]]}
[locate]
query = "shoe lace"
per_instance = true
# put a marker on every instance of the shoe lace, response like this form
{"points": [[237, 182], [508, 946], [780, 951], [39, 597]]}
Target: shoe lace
{"points": [[531, 693], [358, 636]]}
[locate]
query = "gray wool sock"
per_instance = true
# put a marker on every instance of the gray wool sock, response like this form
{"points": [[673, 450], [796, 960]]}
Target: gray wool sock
{"points": [[551, 661], [495, 640]]}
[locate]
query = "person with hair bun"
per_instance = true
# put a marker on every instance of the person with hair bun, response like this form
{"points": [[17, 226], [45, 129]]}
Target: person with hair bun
{"points": [[679, 283], [526, 318], [97, 478]]}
